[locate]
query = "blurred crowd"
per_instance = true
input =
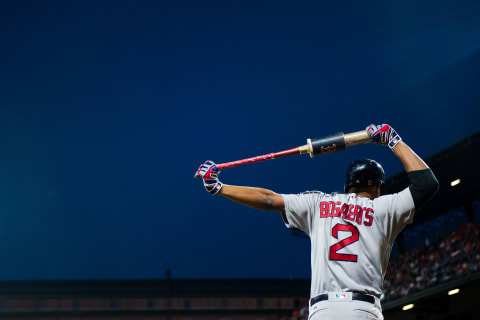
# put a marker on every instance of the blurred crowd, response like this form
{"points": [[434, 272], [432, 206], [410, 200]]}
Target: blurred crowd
{"points": [[452, 257]]}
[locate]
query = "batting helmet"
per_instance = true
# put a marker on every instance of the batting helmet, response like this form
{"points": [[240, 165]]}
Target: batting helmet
{"points": [[364, 173]]}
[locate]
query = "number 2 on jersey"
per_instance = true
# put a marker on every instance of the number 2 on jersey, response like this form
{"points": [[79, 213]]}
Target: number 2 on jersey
{"points": [[345, 242]]}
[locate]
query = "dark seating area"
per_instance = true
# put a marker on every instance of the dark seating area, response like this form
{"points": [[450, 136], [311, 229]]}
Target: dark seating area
{"points": [[450, 257]]}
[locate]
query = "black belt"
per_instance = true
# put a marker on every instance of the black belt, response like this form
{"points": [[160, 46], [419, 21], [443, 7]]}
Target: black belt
{"points": [[355, 296]]}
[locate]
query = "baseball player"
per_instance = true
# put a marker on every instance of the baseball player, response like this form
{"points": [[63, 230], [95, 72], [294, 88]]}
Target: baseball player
{"points": [[351, 232]]}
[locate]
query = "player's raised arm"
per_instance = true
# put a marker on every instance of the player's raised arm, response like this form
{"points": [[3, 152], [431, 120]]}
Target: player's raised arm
{"points": [[424, 184], [257, 198]]}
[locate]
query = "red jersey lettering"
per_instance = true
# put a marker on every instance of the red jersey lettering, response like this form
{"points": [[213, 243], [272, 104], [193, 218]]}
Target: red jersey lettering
{"points": [[337, 209], [351, 214], [358, 214], [331, 205], [368, 217], [323, 209], [354, 213]]}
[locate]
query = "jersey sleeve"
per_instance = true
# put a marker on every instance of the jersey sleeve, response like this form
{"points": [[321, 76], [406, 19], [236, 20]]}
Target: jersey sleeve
{"points": [[299, 209], [400, 210]]}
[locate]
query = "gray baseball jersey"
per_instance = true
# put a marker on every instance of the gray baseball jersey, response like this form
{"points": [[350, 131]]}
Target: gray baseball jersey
{"points": [[351, 237]]}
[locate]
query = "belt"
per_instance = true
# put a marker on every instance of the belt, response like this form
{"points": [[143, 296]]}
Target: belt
{"points": [[355, 296]]}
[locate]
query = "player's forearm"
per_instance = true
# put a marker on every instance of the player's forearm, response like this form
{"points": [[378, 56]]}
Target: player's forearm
{"points": [[424, 184], [257, 198], [409, 158]]}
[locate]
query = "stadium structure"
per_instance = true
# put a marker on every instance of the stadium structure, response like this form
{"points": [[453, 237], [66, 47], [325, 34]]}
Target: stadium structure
{"points": [[434, 271]]}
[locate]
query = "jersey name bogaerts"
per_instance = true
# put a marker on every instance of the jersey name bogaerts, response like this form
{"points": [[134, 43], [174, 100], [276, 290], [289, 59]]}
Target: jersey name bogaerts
{"points": [[351, 237]]}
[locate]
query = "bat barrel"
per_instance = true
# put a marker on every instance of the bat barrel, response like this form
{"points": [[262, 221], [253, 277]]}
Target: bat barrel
{"points": [[328, 144], [356, 138]]}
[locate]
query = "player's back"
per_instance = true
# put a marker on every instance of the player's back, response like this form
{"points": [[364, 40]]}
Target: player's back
{"points": [[351, 237]]}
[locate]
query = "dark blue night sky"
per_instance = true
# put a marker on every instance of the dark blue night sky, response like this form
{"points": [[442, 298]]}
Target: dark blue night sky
{"points": [[107, 108]]}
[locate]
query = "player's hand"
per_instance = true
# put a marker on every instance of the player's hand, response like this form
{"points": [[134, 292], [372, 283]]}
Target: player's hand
{"points": [[209, 174], [383, 135]]}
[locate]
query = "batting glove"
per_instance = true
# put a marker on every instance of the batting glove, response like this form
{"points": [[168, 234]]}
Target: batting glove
{"points": [[209, 173], [383, 135]]}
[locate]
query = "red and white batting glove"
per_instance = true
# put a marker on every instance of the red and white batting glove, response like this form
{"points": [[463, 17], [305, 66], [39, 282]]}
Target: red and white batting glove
{"points": [[209, 173], [383, 135]]}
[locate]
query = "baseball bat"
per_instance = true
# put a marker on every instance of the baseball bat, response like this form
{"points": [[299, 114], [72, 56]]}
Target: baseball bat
{"points": [[329, 144]]}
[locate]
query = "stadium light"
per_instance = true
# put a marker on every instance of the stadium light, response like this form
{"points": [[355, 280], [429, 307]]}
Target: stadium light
{"points": [[455, 182], [408, 307], [454, 291]]}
